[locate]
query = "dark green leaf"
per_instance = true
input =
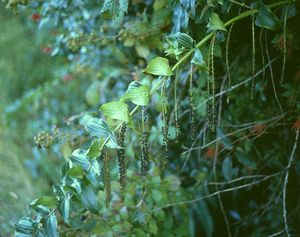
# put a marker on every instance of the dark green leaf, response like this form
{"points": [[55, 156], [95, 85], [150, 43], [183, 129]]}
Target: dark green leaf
{"points": [[265, 18], [227, 168], [24, 227], [114, 8], [198, 59], [100, 129], [89, 199], [50, 226], [215, 23]]}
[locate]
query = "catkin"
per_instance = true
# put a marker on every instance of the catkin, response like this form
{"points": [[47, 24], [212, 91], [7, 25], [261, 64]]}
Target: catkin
{"points": [[192, 107], [165, 127], [122, 156], [253, 59], [145, 163], [213, 89], [284, 46], [262, 56], [107, 178], [227, 62], [177, 125]]}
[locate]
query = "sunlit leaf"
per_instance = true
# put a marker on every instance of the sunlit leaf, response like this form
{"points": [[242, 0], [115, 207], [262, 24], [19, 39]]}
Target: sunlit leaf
{"points": [[75, 172], [116, 110], [46, 201], [139, 95], [159, 66], [93, 151]]}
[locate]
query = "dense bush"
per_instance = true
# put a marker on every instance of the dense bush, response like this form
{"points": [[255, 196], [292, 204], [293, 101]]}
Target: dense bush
{"points": [[198, 125]]}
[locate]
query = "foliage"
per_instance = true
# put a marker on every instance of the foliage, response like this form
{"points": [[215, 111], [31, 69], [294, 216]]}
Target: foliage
{"points": [[170, 165]]}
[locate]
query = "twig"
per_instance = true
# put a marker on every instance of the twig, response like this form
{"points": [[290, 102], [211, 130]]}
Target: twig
{"points": [[216, 160], [232, 88], [286, 179], [205, 196]]}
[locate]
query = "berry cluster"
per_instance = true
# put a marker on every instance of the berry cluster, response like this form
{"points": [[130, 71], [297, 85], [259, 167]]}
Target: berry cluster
{"points": [[75, 43], [43, 139]]}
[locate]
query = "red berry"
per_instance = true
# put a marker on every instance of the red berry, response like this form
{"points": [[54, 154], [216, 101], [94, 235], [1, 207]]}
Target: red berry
{"points": [[47, 50], [35, 17]]}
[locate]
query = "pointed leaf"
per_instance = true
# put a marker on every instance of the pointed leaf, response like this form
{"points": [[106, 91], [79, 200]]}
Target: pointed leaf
{"points": [[265, 18], [50, 226], [215, 23], [159, 66], [89, 199], [46, 201], [227, 168], [198, 59], [116, 110], [100, 129], [93, 151], [24, 227], [75, 172], [139, 95]]}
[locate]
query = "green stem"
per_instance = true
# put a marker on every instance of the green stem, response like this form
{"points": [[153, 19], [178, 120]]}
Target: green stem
{"points": [[228, 23]]}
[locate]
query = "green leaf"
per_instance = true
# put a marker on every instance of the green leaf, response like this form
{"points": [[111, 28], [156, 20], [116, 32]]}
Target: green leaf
{"points": [[198, 59], [89, 198], [63, 202], [50, 226], [24, 227], [78, 157], [138, 95], [93, 151], [172, 183], [100, 129], [116, 110], [46, 201], [215, 23], [114, 8], [75, 172], [90, 166], [179, 42], [227, 168], [92, 94], [265, 18], [159, 66]]}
